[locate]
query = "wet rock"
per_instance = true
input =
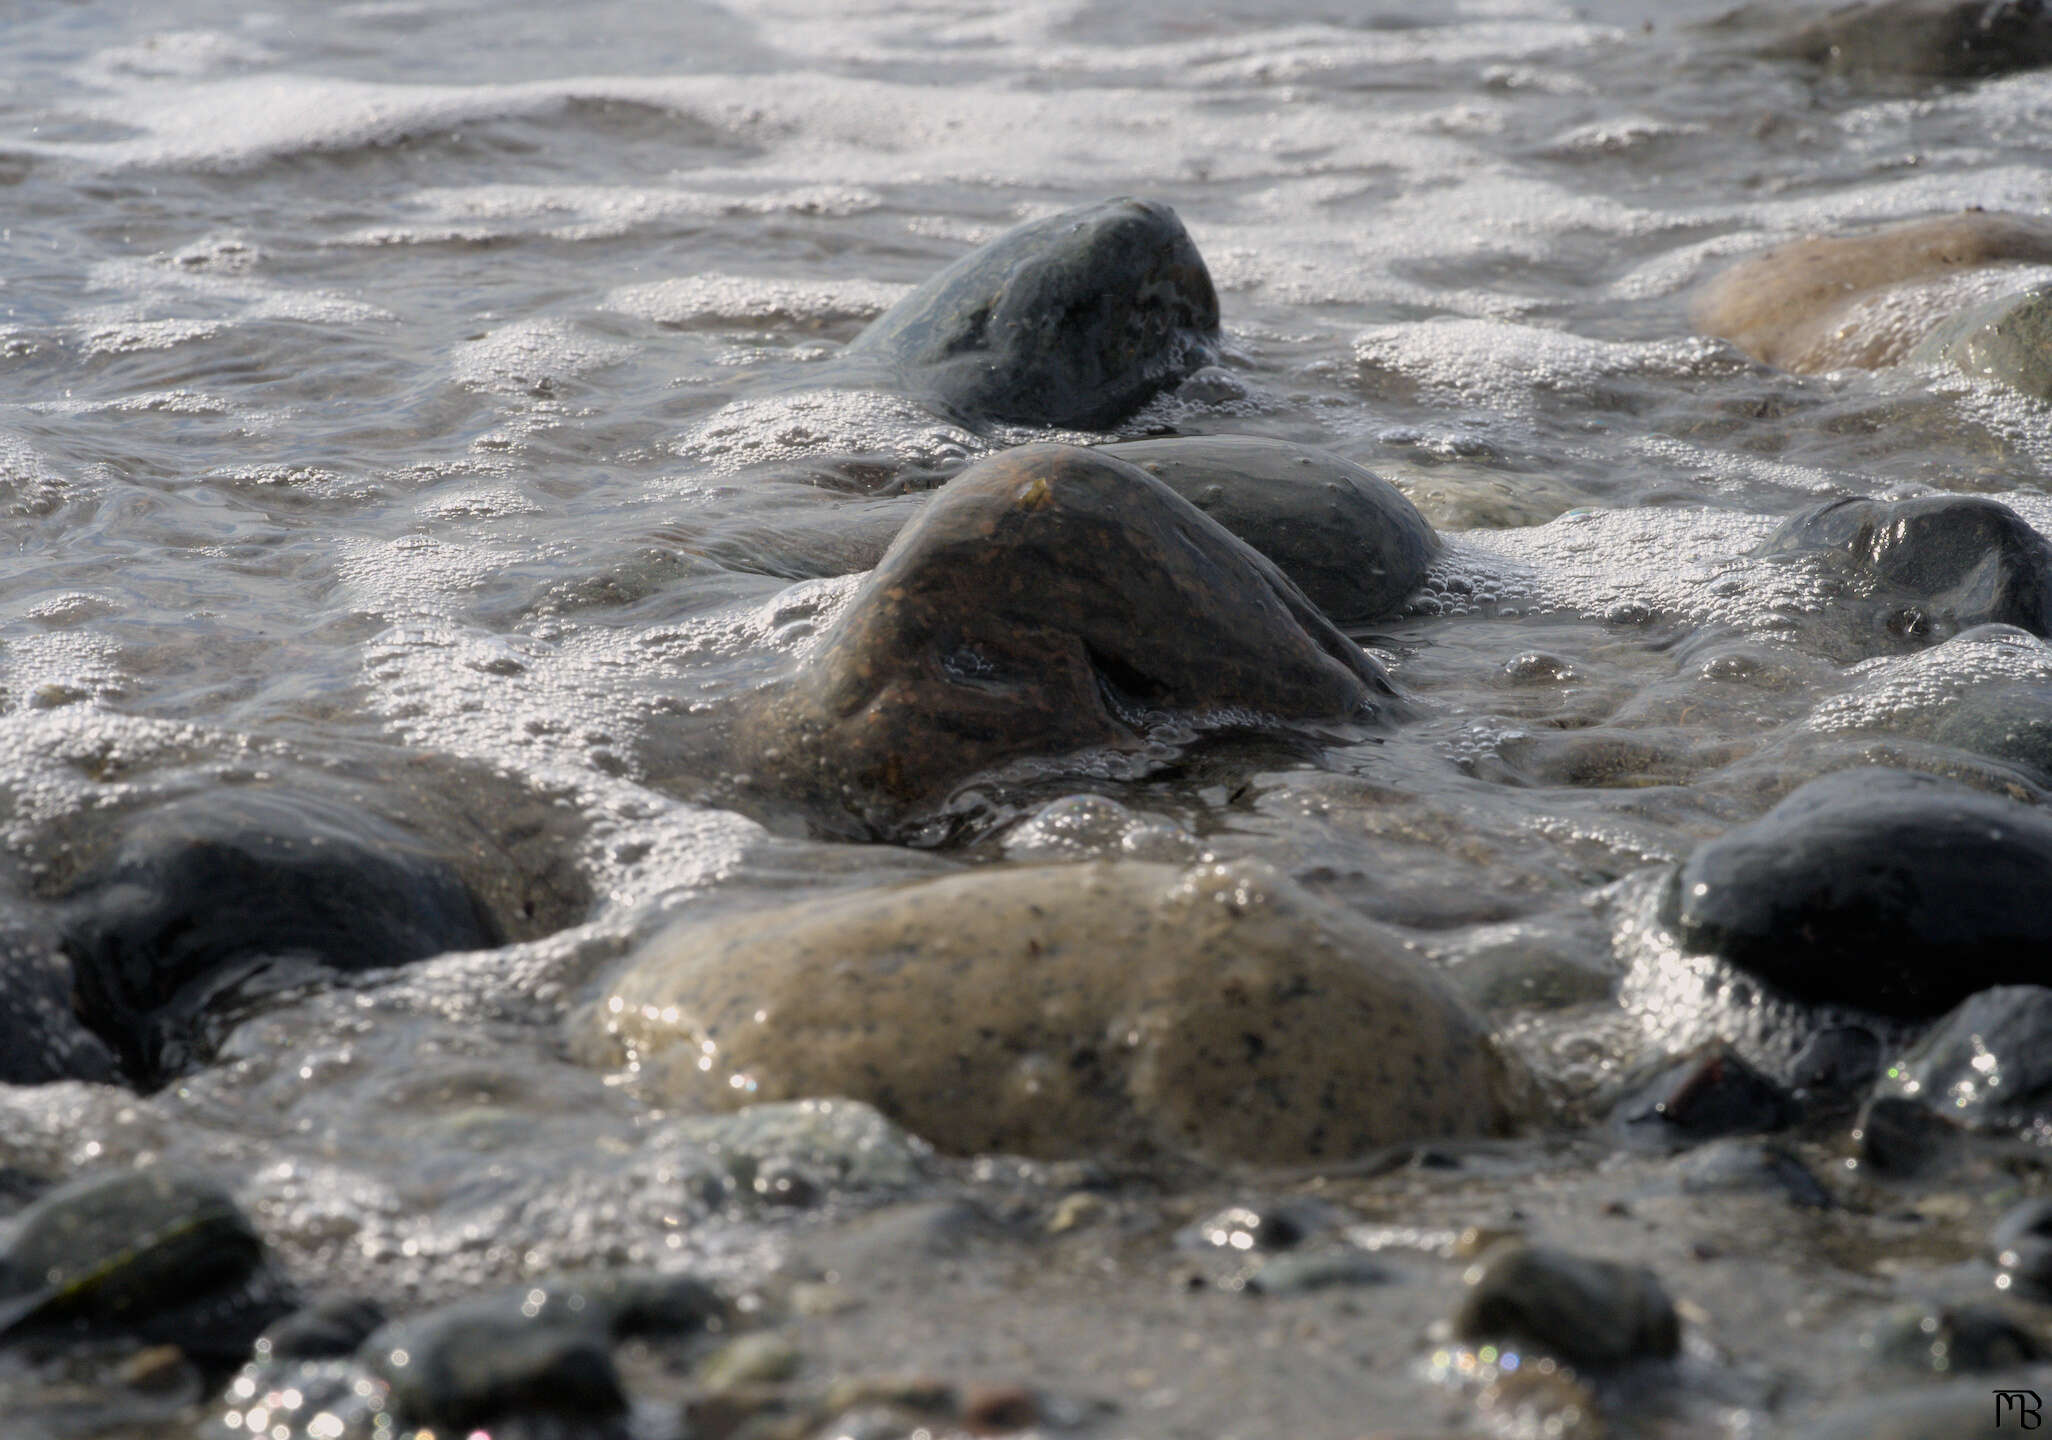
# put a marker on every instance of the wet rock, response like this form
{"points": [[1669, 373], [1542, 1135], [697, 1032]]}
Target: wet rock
{"points": [[472, 1366], [1279, 1226], [159, 1256], [845, 1143], [1837, 1062], [1899, 1138], [1592, 1312], [41, 1037], [1927, 568], [1349, 539], [1954, 1339], [329, 1330], [1987, 1066], [1700, 1097], [1076, 320], [213, 900], [1951, 1412], [2004, 722], [2007, 340], [1889, 891], [1925, 39], [1068, 1010], [1867, 300], [1318, 1270], [2021, 1244], [1050, 600]]}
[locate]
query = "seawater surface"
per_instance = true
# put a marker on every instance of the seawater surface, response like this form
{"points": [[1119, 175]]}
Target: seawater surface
{"points": [[412, 396]]}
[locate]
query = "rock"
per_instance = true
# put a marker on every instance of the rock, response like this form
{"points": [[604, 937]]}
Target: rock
{"points": [[1244, 1228], [1951, 1339], [1924, 39], [1889, 891], [1987, 1066], [328, 1330], [41, 1038], [468, 1367], [233, 893], [1590, 1312], [1700, 1097], [2007, 340], [160, 1256], [844, 1142], [1867, 300], [1349, 539], [1050, 600], [2004, 722], [1928, 568], [1068, 1010], [1900, 1138], [2021, 1244], [1950, 1412], [1076, 320]]}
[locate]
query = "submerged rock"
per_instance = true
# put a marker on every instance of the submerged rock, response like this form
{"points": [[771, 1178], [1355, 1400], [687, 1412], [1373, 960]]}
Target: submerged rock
{"points": [[236, 892], [1924, 39], [1071, 1010], [1591, 1312], [1929, 567], [1700, 1097], [2004, 722], [1050, 600], [1987, 1065], [328, 1330], [2007, 340], [1866, 300], [1889, 891], [1950, 1339], [41, 1037], [1076, 320], [157, 1256], [1349, 539]]}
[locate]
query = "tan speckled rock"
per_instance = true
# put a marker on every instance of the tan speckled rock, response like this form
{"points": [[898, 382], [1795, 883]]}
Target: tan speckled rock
{"points": [[1220, 1012], [1865, 301]]}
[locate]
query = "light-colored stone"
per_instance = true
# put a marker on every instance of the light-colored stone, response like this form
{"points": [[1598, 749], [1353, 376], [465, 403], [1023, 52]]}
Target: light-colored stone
{"points": [[1832, 302], [1220, 1012]]}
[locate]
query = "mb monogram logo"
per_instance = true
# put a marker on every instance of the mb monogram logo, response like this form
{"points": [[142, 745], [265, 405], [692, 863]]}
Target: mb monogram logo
{"points": [[2020, 1406]]}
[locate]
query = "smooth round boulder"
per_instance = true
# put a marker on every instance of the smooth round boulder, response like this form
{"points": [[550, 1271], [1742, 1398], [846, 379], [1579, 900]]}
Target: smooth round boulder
{"points": [[1923, 39], [1105, 1009], [1076, 320], [1590, 1312], [1349, 539], [2007, 340], [233, 892], [159, 1256], [1929, 567], [1049, 600], [1888, 891], [1864, 301]]}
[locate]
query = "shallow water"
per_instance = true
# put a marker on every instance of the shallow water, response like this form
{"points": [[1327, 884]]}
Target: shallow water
{"points": [[413, 395]]}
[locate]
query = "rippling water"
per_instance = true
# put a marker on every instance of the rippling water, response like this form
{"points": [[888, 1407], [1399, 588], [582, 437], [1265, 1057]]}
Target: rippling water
{"points": [[414, 394]]}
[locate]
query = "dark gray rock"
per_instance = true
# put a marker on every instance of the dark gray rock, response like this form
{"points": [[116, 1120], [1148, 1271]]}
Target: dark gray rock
{"points": [[1889, 891], [1901, 1138], [1049, 600], [328, 1330], [1349, 539], [2021, 1244], [158, 1256], [1955, 1339], [1922, 570], [1923, 39], [1700, 1097], [41, 1037], [215, 899], [2007, 340], [1244, 1228], [1076, 320], [1986, 1066], [2004, 722], [1591, 1312]]}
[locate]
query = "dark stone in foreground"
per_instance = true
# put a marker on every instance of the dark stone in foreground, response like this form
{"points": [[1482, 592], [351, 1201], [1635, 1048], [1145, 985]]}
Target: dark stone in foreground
{"points": [[1926, 39], [1890, 891], [231, 893], [160, 1257], [1076, 320], [1592, 1312], [329, 1330], [1049, 600], [1349, 539], [1935, 565], [41, 1038]]}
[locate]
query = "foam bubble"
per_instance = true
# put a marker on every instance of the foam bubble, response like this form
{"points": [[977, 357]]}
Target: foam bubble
{"points": [[708, 300]]}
